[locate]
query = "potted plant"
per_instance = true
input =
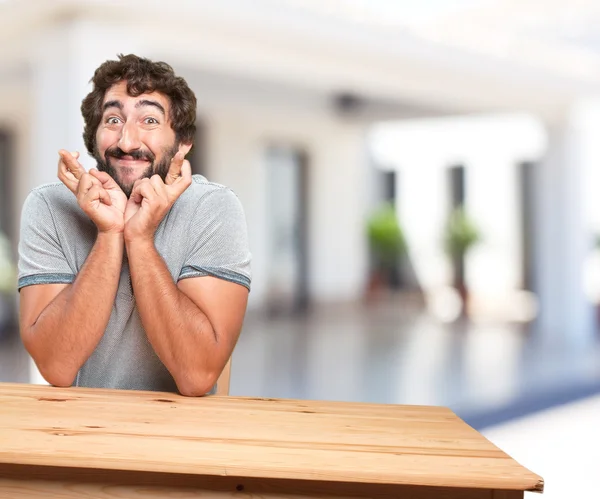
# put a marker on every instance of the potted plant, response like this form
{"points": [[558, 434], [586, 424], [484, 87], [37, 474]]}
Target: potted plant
{"points": [[387, 245], [461, 235]]}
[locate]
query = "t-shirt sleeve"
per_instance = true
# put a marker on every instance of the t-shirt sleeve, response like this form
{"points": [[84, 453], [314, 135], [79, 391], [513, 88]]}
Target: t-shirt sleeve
{"points": [[41, 258], [218, 240]]}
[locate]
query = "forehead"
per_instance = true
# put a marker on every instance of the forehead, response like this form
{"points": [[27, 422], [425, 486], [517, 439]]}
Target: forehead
{"points": [[118, 92]]}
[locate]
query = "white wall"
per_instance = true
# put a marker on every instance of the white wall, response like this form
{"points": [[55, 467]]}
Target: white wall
{"points": [[492, 188], [237, 141]]}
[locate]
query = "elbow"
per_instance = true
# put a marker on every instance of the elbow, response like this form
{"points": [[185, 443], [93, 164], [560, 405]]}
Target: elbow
{"points": [[196, 386], [194, 391], [60, 382], [57, 375]]}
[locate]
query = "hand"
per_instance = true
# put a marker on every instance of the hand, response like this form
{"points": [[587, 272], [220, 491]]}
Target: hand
{"points": [[151, 199], [97, 193]]}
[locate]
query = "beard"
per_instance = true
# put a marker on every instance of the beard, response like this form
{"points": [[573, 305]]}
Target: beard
{"points": [[161, 168]]}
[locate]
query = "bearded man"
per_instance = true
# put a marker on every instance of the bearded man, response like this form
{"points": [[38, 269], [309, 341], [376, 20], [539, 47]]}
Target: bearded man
{"points": [[136, 274]]}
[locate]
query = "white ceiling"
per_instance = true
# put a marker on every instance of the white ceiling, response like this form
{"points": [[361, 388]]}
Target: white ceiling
{"points": [[560, 35], [468, 55]]}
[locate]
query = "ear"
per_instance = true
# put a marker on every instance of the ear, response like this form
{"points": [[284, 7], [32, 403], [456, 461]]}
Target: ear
{"points": [[184, 148]]}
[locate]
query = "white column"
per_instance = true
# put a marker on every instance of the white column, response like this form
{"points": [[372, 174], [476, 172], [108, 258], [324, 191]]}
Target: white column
{"points": [[61, 68], [422, 214], [337, 204], [561, 239]]}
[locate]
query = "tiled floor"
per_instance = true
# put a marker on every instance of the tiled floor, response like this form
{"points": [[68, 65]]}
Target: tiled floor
{"points": [[393, 353]]}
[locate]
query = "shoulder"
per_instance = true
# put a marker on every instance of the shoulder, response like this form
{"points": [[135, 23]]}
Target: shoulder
{"points": [[201, 187], [203, 193], [54, 195]]}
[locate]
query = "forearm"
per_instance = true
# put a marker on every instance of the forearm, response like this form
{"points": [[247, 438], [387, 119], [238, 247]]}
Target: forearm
{"points": [[67, 331], [180, 333]]}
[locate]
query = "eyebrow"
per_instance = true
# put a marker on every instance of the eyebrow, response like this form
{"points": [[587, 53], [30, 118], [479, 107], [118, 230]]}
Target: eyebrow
{"points": [[141, 103], [112, 103], [145, 102]]}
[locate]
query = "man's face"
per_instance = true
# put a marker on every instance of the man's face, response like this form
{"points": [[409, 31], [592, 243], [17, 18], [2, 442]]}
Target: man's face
{"points": [[134, 138]]}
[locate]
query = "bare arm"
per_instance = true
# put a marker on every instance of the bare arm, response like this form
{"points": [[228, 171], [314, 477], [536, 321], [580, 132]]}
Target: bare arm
{"points": [[193, 326], [62, 324]]}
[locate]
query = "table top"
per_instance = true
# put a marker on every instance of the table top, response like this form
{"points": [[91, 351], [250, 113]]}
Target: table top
{"points": [[250, 437]]}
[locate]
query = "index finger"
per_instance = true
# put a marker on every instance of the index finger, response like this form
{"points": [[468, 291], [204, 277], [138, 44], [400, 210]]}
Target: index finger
{"points": [[175, 168], [69, 169], [71, 163], [182, 182]]}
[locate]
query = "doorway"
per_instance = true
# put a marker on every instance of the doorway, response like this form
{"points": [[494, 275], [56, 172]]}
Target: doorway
{"points": [[287, 179]]}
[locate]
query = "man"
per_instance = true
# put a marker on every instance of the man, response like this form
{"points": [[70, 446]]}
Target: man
{"points": [[136, 274]]}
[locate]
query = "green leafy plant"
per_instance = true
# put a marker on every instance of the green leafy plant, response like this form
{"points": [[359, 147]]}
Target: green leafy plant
{"points": [[461, 233], [386, 238]]}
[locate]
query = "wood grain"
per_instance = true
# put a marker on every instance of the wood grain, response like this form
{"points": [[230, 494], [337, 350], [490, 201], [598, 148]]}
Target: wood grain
{"points": [[269, 439], [37, 482], [68, 490]]}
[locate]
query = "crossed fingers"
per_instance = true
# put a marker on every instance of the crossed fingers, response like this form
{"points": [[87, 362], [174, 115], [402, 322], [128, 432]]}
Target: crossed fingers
{"points": [[90, 189], [70, 170], [178, 179], [179, 176]]}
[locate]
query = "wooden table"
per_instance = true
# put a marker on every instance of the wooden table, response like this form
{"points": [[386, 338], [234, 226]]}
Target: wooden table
{"points": [[93, 443]]}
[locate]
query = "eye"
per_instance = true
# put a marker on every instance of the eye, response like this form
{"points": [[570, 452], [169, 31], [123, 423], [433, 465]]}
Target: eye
{"points": [[151, 121], [113, 120]]}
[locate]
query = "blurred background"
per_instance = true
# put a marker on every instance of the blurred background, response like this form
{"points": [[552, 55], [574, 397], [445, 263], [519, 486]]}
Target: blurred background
{"points": [[420, 184]]}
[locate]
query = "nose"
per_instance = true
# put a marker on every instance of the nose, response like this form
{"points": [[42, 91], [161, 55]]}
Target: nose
{"points": [[129, 140]]}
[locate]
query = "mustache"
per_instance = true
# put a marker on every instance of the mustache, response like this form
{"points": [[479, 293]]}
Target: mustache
{"points": [[136, 154]]}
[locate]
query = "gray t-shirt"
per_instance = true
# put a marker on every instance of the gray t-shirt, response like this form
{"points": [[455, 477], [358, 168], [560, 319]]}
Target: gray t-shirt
{"points": [[204, 234]]}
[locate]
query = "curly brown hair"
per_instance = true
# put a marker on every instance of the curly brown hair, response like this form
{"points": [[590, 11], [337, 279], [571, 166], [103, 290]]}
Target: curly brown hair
{"points": [[142, 76]]}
